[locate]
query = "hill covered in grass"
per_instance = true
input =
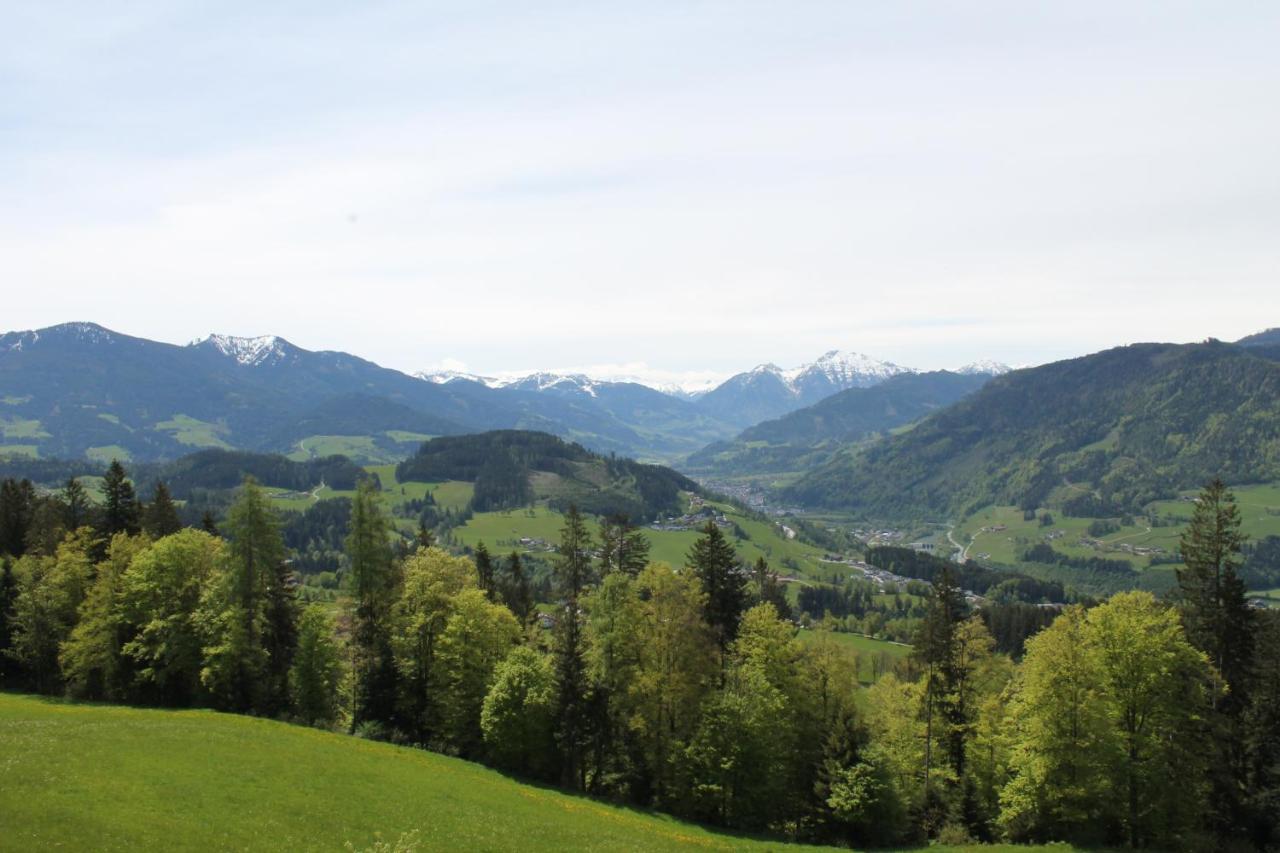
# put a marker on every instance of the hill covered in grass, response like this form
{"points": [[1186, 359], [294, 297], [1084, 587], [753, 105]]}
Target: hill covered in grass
{"points": [[1103, 434], [85, 777], [515, 468], [81, 777]]}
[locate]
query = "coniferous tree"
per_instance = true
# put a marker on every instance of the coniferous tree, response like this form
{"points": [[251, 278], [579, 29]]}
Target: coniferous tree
{"points": [[768, 589], [280, 635], [76, 506], [573, 711], [119, 503], [46, 528], [424, 537], [372, 588], [208, 524], [240, 668], [516, 590], [16, 505], [484, 571], [623, 547], [1220, 623], [160, 517], [713, 559], [935, 648], [8, 593]]}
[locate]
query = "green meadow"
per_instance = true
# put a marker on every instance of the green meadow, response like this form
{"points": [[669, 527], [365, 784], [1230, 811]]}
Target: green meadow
{"points": [[194, 432], [1259, 510], [80, 777]]}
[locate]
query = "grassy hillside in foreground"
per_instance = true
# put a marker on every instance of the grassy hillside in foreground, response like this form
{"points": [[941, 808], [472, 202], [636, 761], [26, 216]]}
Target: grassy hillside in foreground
{"points": [[110, 778], [100, 777]]}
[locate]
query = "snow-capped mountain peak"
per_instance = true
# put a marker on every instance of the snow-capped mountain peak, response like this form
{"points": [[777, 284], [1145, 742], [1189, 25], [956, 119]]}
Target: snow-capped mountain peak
{"points": [[986, 365], [444, 377], [251, 352], [845, 369]]}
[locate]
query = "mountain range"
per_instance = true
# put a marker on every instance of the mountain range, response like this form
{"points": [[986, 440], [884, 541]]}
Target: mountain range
{"points": [[78, 389], [764, 392]]}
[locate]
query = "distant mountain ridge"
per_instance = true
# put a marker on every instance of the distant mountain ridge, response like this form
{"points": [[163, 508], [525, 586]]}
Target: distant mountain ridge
{"points": [[80, 389], [808, 437], [1106, 432]]}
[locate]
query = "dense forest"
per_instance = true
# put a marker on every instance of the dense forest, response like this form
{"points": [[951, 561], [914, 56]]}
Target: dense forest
{"points": [[681, 688]]}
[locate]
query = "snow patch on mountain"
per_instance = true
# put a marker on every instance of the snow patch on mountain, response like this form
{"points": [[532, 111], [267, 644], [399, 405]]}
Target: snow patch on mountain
{"points": [[986, 365], [251, 352]]}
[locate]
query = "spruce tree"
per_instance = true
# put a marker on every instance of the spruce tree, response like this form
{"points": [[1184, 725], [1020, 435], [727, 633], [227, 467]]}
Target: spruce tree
{"points": [[623, 547], [1215, 610], [208, 524], [1219, 622], [935, 648], [372, 590], [8, 593], [484, 571], [119, 504], [516, 591], [16, 499], [76, 506], [160, 518], [573, 704], [713, 559]]}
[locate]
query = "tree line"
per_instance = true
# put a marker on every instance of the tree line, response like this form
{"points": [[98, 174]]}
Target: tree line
{"points": [[1134, 721]]}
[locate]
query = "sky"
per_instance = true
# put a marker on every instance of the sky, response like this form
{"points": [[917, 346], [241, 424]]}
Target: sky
{"points": [[671, 190]]}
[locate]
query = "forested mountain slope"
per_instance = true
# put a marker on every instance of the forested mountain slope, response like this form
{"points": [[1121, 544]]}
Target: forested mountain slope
{"points": [[808, 437], [1127, 425]]}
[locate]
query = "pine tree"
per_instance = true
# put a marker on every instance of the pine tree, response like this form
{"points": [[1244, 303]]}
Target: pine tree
{"points": [[623, 547], [280, 635], [484, 571], [713, 559], [573, 709], [76, 506], [372, 588], [119, 504], [425, 538], [160, 518]]}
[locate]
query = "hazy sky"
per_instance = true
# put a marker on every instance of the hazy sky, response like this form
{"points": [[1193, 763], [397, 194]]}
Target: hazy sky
{"points": [[669, 186]]}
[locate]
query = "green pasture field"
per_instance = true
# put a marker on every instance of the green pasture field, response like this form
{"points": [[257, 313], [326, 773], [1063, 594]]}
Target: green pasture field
{"points": [[20, 450], [20, 428], [1259, 510], [107, 452], [194, 432]]}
